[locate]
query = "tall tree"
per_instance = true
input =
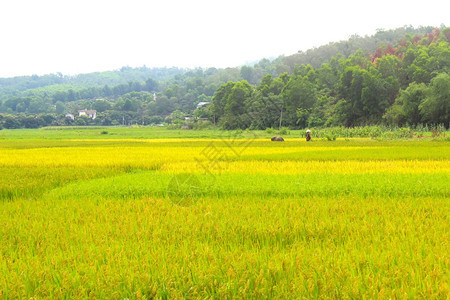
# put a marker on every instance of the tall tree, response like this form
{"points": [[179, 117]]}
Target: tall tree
{"points": [[219, 100], [406, 106], [235, 108], [299, 96], [436, 107]]}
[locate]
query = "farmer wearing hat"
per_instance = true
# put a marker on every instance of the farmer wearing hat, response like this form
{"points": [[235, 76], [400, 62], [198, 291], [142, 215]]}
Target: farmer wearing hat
{"points": [[308, 135]]}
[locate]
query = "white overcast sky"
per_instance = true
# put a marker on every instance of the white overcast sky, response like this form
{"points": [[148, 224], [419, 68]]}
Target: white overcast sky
{"points": [[79, 36]]}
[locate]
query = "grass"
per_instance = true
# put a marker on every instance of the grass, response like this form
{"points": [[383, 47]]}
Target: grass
{"points": [[140, 132], [128, 217]]}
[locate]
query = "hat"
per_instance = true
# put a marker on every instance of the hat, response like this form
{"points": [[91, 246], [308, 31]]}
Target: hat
{"points": [[308, 130]]}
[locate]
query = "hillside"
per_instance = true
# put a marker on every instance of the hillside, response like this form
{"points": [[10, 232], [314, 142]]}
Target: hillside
{"points": [[29, 85], [363, 80]]}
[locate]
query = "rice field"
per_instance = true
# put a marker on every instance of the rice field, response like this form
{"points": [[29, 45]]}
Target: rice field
{"points": [[209, 217]]}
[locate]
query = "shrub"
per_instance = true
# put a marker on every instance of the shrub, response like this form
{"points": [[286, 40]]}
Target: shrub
{"points": [[405, 132], [331, 137], [202, 125], [284, 130]]}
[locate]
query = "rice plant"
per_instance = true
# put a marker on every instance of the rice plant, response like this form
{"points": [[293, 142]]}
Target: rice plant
{"points": [[120, 217]]}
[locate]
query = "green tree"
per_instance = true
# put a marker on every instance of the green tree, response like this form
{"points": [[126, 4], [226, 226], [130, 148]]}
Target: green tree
{"points": [[82, 120], [271, 85], [32, 122], [320, 112], [151, 85], [176, 117], [11, 122], [163, 106], [106, 91], [60, 107], [389, 65], [299, 96], [327, 77], [248, 74], [366, 93], [350, 89], [267, 110], [235, 107], [101, 105], [219, 100], [406, 106], [436, 106], [374, 98], [72, 95], [38, 105]]}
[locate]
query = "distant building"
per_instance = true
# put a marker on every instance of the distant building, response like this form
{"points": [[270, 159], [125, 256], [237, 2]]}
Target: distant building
{"points": [[90, 113], [70, 116], [201, 104]]}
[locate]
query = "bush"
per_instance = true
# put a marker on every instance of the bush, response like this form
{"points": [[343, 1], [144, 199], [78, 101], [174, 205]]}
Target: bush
{"points": [[438, 131], [367, 131], [284, 130], [174, 126], [405, 132], [331, 137], [11, 122], [203, 125]]}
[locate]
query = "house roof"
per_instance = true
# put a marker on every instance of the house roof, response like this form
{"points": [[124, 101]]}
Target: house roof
{"points": [[87, 111], [203, 103]]}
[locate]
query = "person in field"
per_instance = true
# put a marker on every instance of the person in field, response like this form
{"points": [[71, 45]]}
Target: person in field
{"points": [[308, 135]]}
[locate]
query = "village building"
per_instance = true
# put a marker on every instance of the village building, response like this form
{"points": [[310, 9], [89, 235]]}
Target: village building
{"points": [[86, 112], [70, 116], [202, 104]]}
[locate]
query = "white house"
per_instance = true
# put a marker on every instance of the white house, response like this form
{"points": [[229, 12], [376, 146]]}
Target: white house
{"points": [[201, 104], [70, 116], [90, 113]]}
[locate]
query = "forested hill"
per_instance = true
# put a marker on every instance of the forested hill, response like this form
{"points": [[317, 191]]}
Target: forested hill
{"points": [[395, 76], [315, 57], [367, 44], [58, 82]]}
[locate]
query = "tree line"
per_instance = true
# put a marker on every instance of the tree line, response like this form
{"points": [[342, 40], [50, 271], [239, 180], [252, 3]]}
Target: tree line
{"points": [[396, 77], [403, 85]]}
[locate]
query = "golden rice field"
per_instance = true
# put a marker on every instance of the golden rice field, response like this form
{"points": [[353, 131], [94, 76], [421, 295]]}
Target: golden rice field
{"points": [[171, 218]]}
